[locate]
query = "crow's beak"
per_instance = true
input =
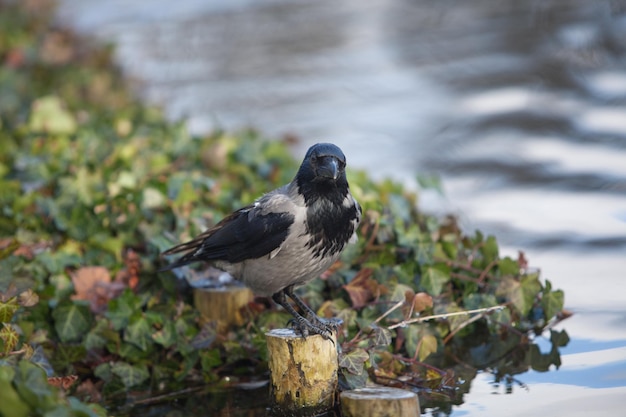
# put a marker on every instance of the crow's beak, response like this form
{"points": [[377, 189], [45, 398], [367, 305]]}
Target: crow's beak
{"points": [[328, 168]]}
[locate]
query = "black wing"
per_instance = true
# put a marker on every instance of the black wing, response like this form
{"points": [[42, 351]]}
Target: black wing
{"points": [[245, 234]]}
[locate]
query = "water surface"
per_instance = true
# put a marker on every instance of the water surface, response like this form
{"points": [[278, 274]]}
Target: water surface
{"points": [[519, 106]]}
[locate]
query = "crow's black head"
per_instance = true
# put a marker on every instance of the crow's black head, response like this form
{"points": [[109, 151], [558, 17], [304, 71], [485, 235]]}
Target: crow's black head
{"points": [[323, 173], [323, 162]]}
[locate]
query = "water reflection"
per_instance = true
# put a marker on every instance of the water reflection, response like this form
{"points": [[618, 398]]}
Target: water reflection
{"points": [[519, 106]]}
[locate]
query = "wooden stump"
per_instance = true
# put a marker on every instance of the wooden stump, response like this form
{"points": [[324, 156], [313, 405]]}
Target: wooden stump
{"points": [[303, 373], [222, 305], [379, 402]]}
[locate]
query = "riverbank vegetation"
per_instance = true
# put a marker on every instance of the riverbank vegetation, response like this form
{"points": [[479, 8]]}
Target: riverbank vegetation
{"points": [[94, 185]]}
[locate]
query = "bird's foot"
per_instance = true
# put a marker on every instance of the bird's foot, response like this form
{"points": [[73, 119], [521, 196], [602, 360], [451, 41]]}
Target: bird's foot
{"points": [[306, 327], [330, 325]]}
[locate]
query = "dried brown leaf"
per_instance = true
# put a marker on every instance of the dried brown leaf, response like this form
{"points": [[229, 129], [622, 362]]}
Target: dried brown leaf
{"points": [[93, 284], [421, 302], [28, 298], [362, 288]]}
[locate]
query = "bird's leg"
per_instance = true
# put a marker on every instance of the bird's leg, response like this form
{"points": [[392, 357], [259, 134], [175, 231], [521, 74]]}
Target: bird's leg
{"points": [[329, 325], [304, 326]]}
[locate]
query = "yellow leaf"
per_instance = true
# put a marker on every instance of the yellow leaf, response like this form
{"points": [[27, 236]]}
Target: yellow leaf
{"points": [[10, 338], [428, 345]]}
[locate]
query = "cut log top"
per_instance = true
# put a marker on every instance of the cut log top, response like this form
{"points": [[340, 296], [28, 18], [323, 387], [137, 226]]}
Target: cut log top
{"points": [[379, 402], [377, 393]]}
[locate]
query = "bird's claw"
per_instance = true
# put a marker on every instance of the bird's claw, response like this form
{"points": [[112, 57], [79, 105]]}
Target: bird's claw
{"points": [[307, 327], [331, 325]]}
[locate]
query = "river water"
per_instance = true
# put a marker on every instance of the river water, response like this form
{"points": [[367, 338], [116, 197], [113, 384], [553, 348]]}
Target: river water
{"points": [[519, 107]]}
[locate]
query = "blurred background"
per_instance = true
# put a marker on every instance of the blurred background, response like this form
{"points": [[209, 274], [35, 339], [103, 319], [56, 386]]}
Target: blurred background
{"points": [[519, 107]]}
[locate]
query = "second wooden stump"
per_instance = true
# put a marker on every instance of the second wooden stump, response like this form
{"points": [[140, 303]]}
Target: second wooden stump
{"points": [[379, 402], [222, 305]]}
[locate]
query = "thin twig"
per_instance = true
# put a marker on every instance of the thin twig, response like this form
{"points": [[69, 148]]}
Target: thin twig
{"points": [[395, 307], [485, 273], [404, 323], [462, 326], [14, 352], [466, 278], [168, 396]]}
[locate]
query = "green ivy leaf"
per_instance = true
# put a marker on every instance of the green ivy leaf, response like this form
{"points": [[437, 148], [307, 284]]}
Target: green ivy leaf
{"points": [[552, 301], [412, 336], [209, 359], [399, 292], [521, 293], [354, 361], [434, 279], [417, 336], [8, 309], [32, 384], [82, 409], [559, 338], [99, 335], [352, 381], [9, 338], [489, 250], [71, 321], [130, 375], [475, 301], [132, 353], [11, 404], [139, 332], [166, 336], [380, 336], [65, 355], [122, 308], [508, 266], [104, 372]]}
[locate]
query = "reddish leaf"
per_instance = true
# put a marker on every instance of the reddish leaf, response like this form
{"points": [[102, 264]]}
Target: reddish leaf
{"points": [[129, 276], [521, 260], [29, 251], [421, 302], [89, 390], [362, 288], [93, 283]]}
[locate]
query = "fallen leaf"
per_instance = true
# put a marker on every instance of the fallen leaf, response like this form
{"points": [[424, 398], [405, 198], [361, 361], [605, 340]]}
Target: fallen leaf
{"points": [[93, 284], [129, 276], [28, 298], [87, 278], [90, 391], [362, 288], [422, 301], [29, 251]]}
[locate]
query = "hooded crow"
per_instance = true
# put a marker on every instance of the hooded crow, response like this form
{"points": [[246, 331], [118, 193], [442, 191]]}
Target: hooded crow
{"points": [[287, 237]]}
